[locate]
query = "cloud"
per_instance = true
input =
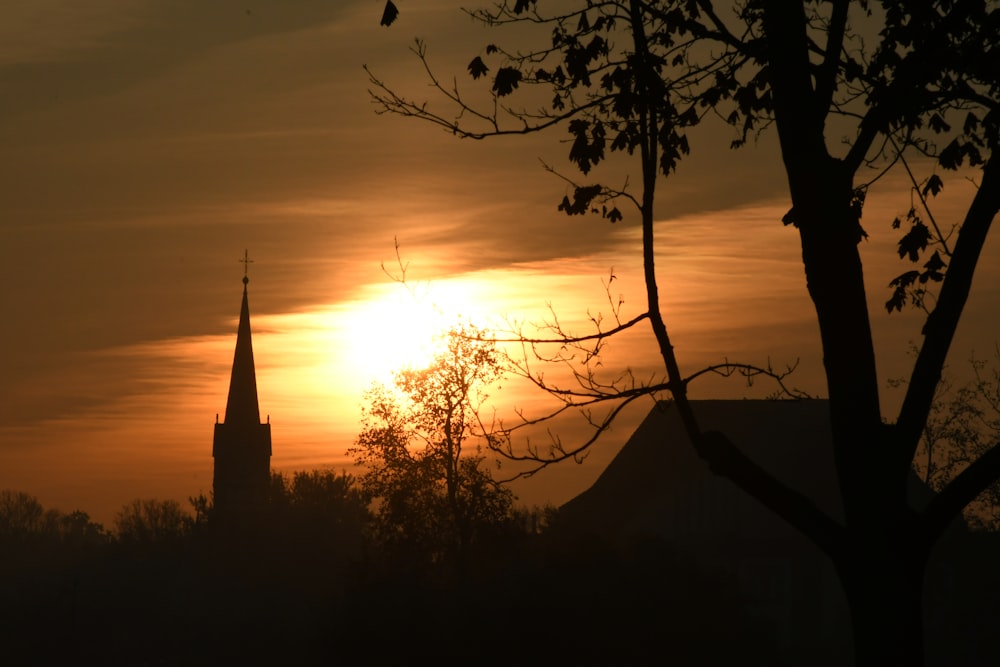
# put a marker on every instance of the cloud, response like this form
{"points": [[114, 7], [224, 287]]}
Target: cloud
{"points": [[52, 31], [52, 52]]}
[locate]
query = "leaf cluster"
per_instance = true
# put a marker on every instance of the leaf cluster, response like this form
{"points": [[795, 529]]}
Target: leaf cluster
{"points": [[911, 286], [951, 47]]}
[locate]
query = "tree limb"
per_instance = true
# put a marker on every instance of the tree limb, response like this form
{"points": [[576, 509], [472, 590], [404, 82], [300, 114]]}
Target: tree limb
{"points": [[939, 329], [726, 459], [961, 491], [826, 78]]}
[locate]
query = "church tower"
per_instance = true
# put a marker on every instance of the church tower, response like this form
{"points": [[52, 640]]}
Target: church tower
{"points": [[242, 444]]}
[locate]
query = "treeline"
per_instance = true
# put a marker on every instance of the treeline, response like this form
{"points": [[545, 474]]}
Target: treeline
{"points": [[316, 581]]}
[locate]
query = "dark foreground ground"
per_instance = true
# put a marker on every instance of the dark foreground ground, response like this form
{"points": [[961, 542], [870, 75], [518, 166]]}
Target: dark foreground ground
{"points": [[536, 600]]}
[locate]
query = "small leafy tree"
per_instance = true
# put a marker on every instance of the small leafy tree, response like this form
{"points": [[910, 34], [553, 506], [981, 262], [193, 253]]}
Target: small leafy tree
{"points": [[431, 495]]}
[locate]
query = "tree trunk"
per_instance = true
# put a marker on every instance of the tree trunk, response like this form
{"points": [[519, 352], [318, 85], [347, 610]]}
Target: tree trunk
{"points": [[882, 561], [827, 217], [885, 594]]}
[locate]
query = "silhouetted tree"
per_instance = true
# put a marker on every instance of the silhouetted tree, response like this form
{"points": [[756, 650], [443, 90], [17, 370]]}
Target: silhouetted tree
{"points": [[898, 78], [152, 521], [20, 514], [320, 491], [431, 496], [23, 517], [321, 510], [75, 528], [204, 511]]}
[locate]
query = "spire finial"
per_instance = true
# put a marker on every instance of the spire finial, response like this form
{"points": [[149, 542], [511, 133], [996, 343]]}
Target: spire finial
{"points": [[246, 261]]}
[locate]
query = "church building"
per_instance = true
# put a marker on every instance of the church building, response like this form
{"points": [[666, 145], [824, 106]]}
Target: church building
{"points": [[242, 444]]}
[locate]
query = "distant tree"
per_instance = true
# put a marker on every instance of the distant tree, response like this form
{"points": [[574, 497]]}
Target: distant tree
{"points": [[152, 521], [898, 80], [23, 517], [320, 507], [321, 491], [423, 467], [20, 514], [536, 520], [75, 528], [204, 510]]}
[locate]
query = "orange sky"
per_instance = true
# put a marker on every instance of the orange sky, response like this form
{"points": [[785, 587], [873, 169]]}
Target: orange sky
{"points": [[148, 143]]}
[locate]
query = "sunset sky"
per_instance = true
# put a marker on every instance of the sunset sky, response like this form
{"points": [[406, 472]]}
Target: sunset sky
{"points": [[147, 143]]}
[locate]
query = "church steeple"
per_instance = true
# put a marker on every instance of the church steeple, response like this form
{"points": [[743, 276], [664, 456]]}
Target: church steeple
{"points": [[242, 406], [242, 445]]}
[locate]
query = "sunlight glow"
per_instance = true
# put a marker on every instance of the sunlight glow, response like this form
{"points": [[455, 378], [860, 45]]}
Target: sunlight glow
{"points": [[394, 328]]}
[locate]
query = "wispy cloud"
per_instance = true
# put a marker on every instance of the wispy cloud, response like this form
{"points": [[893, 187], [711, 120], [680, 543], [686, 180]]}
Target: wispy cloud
{"points": [[47, 31]]}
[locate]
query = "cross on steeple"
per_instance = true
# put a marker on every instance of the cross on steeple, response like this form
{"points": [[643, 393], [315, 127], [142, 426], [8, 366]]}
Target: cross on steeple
{"points": [[246, 262]]}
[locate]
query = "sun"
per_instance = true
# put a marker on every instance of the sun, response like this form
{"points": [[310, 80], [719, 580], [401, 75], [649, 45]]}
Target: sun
{"points": [[394, 328]]}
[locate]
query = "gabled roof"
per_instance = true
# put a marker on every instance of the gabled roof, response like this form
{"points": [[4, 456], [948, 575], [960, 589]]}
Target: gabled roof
{"points": [[657, 484], [242, 406]]}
